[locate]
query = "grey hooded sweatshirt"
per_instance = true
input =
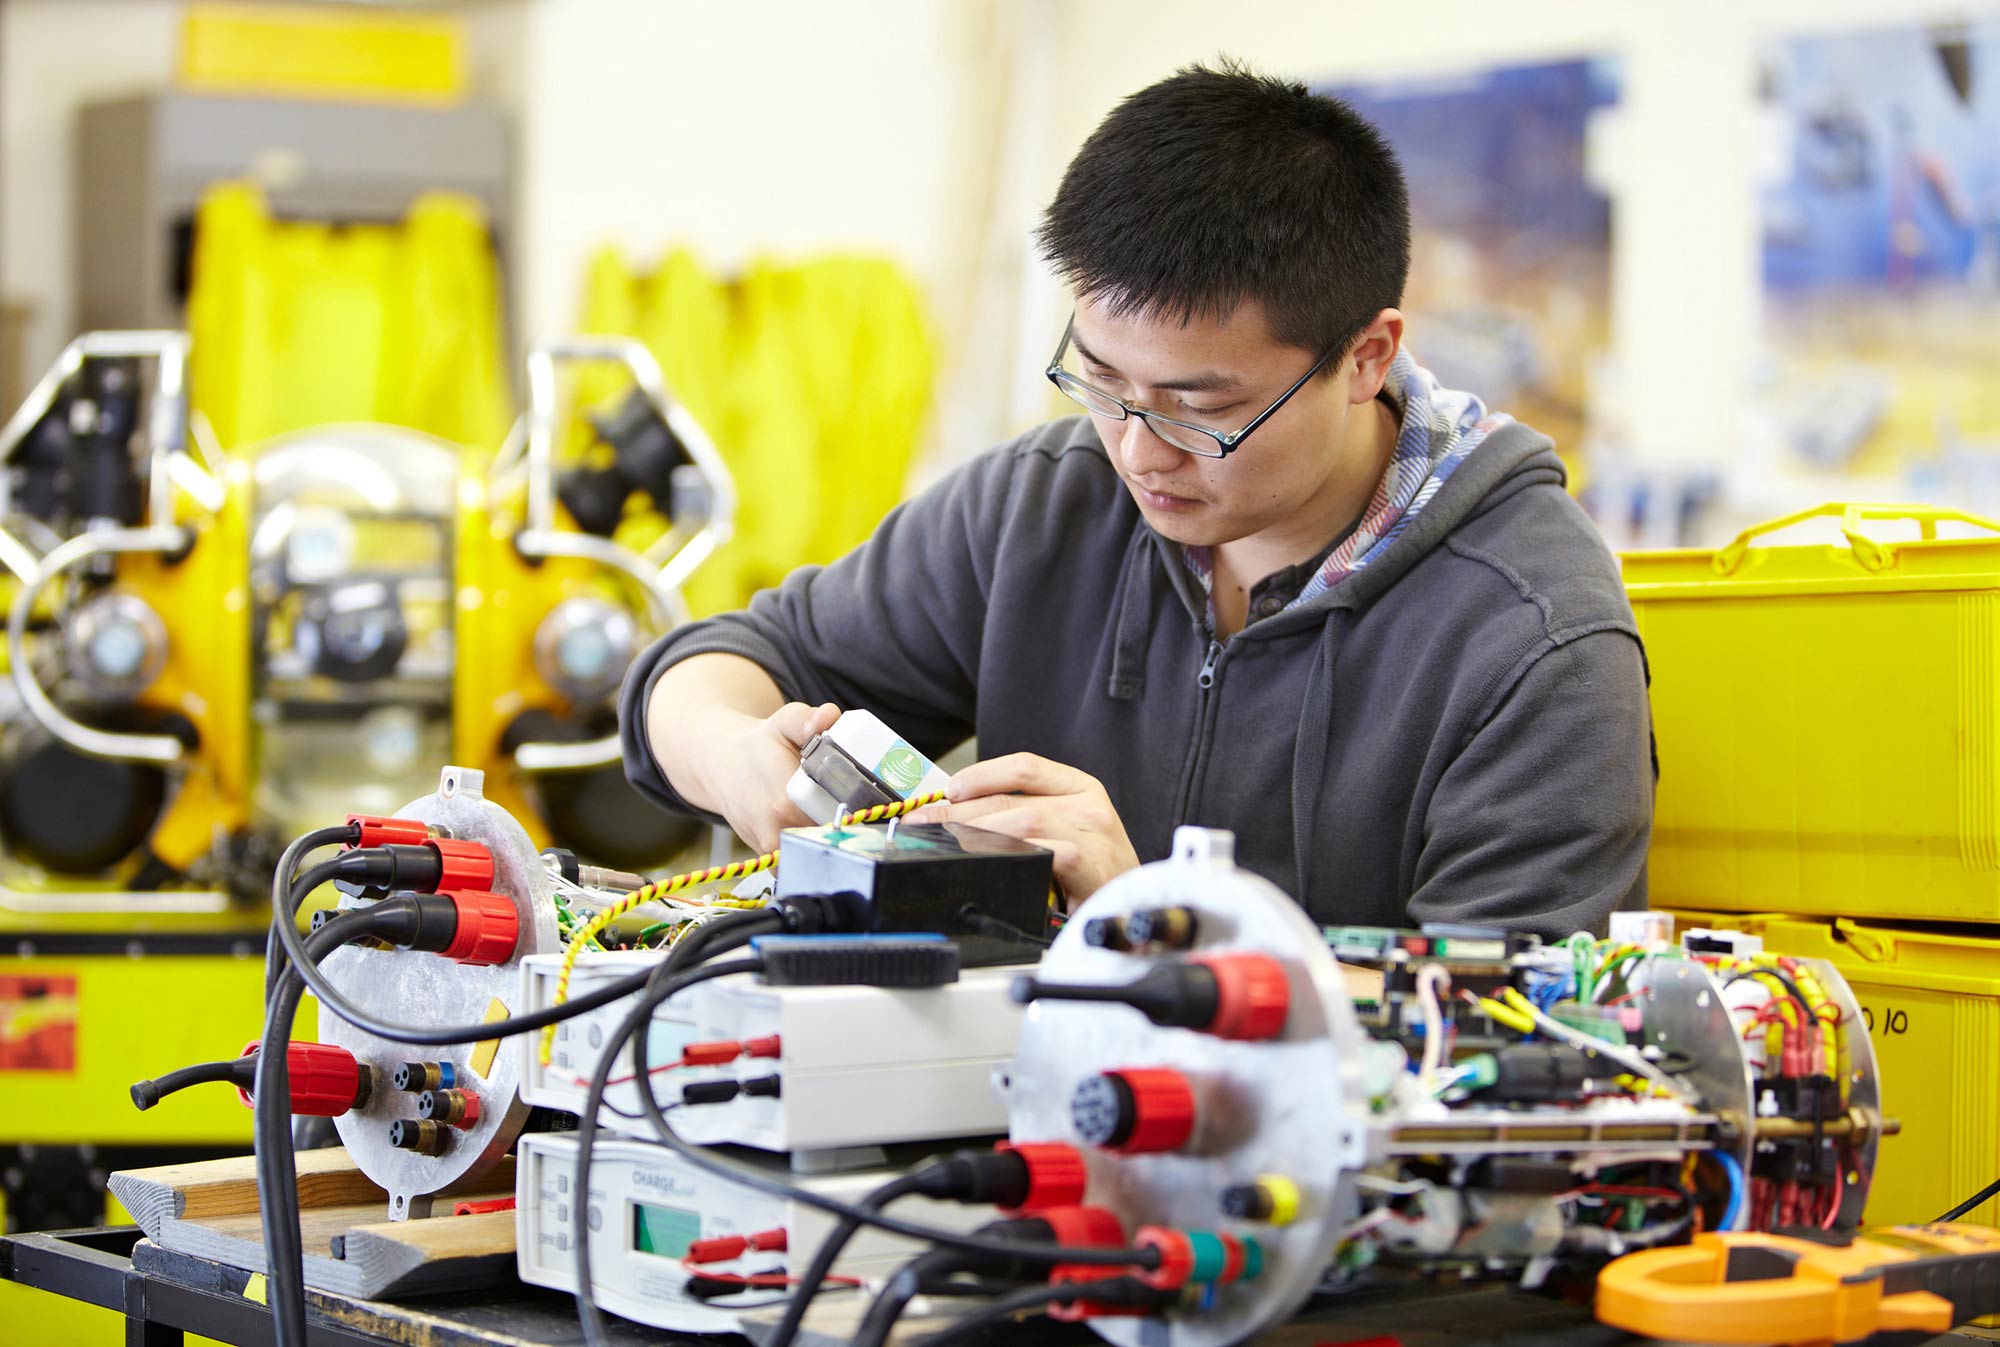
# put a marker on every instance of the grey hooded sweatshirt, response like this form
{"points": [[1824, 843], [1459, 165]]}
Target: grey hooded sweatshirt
{"points": [[1457, 732]]}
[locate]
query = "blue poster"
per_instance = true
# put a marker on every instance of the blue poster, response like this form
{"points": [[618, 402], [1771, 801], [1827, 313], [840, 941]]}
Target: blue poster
{"points": [[1881, 253], [1510, 276]]}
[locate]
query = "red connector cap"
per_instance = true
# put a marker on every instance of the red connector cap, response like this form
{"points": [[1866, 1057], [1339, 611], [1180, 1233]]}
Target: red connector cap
{"points": [[770, 1045], [1090, 1227], [1134, 1111], [482, 1207], [462, 865], [1056, 1174], [377, 831], [325, 1080], [725, 1247], [1176, 1256], [488, 928], [1253, 995]]}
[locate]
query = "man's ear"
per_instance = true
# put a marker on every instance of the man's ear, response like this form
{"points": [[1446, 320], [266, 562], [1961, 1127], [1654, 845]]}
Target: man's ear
{"points": [[1373, 351]]}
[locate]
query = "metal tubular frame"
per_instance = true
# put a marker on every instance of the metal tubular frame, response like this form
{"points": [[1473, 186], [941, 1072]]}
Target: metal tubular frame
{"points": [[665, 566]]}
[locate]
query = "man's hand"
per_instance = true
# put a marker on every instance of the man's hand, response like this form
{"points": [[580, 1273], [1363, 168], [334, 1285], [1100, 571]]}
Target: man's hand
{"points": [[1048, 804], [752, 760]]}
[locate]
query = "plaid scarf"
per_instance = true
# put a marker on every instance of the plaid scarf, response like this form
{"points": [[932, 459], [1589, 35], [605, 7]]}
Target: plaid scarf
{"points": [[1439, 428]]}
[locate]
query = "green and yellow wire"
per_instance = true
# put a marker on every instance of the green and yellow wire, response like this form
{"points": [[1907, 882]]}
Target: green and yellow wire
{"points": [[715, 874]]}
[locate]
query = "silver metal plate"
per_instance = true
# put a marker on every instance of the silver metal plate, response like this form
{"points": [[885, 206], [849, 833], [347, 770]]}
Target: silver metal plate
{"points": [[1864, 1087], [1685, 1013], [429, 990], [1292, 1106]]}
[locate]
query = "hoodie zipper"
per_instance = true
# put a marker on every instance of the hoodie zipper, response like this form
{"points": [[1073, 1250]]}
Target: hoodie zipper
{"points": [[1205, 681]]}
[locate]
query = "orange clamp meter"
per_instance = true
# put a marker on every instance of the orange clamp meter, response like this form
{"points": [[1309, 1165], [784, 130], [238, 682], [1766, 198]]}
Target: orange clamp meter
{"points": [[1783, 1291]]}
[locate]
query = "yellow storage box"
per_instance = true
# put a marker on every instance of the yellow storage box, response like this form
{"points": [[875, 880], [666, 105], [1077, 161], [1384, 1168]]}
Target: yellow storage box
{"points": [[1826, 720], [1933, 1006]]}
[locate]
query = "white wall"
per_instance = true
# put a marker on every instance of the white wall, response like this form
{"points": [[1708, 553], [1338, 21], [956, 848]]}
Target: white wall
{"points": [[1683, 179], [785, 125], [935, 130], [55, 56]]}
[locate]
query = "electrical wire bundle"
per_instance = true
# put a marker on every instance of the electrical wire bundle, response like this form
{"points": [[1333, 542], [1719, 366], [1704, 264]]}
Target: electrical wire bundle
{"points": [[1008, 1252], [1023, 1246], [588, 933]]}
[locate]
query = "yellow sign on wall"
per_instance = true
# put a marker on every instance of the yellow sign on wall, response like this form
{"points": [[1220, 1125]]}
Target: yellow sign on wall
{"points": [[321, 53]]}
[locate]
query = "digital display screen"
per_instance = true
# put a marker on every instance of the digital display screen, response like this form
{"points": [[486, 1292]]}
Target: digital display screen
{"points": [[666, 1231]]}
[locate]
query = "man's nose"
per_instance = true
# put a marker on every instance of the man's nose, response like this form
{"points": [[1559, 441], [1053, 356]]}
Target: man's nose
{"points": [[1144, 451]]}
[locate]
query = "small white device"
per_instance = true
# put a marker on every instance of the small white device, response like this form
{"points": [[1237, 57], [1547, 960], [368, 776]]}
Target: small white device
{"points": [[854, 1066], [859, 763], [646, 1207]]}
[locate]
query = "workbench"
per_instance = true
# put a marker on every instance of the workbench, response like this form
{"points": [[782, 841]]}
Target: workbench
{"points": [[165, 1295]]}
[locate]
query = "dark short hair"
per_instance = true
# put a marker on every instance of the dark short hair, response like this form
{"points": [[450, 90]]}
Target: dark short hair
{"points": [[1219, 185]]}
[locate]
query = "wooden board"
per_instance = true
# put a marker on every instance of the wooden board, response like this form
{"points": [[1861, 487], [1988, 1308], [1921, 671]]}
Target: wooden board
{"points": [[209, 1210]]}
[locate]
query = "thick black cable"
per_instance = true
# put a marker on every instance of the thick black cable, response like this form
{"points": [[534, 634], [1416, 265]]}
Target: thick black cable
{"points": [[147, 1093], [696, 945], [1981, 1196], [1037, 1297], [759, 1180], [271, 1130], [282, 904], [895, 1297], [814, 1277], [588, 1317], [1005, 930], [661, 982]]}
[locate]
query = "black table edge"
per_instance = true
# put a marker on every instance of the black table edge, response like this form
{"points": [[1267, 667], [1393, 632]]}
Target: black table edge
{"points": [[95, 1266]]}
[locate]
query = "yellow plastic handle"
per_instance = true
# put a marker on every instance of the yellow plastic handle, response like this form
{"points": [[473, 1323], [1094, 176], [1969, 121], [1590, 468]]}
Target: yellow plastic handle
{"points": [[1684, 1293], [1874, 555]]}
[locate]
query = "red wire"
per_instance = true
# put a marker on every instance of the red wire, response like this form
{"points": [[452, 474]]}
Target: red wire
{"points": [[760, 1278], [629, 1076]]}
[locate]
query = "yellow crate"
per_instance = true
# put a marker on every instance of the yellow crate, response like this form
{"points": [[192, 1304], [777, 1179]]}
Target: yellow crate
{"points": [[1933, 1006], [1826, 720], [80, 1029], [315, 52]]}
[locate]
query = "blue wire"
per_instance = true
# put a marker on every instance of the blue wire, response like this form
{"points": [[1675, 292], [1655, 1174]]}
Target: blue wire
{"points": [[1735, 1173]]}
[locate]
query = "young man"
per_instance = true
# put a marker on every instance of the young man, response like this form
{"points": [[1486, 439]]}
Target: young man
{"points": [[1276, 580]]}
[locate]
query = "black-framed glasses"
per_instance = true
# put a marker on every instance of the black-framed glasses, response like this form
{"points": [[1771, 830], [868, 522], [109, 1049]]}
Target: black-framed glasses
{"points": [[1185, 435]]}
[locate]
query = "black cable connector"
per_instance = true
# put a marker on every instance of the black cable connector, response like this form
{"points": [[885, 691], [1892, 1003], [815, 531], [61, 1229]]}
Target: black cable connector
{"points": [[235, 1071], [989, 1178], [1173, 995], [906, 961], [722, 1091], [424, 921], [817, 913], [700, 1286]]}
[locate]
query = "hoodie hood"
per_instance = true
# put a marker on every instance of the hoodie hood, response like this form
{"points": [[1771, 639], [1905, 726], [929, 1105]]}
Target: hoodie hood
{"points": [[1451, 455]]}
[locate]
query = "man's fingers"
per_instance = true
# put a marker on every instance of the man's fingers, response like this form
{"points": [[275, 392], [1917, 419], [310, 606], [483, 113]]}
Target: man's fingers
{"points": [[969, 811], [1010, 817], [1015, 774], [799, 722]]}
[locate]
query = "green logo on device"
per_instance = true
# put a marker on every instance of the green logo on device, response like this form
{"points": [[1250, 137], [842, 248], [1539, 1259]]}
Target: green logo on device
{"points": [[901, 768]]}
